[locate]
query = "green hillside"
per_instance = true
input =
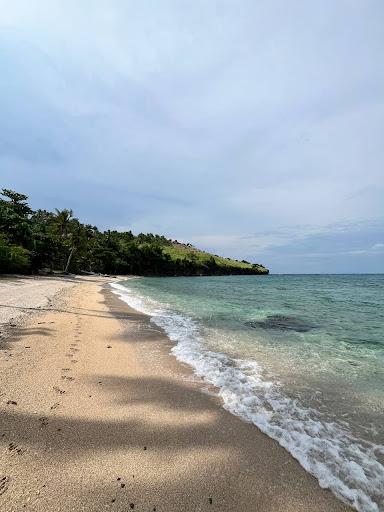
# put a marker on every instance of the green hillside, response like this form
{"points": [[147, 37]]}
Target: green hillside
{"points": [[179, 251]]}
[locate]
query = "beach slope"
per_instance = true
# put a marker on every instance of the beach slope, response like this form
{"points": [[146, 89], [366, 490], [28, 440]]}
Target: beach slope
{"points": [[96, 415]]}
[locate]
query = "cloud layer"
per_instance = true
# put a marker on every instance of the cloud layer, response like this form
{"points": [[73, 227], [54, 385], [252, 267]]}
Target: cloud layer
{"points": [[253, 129]]}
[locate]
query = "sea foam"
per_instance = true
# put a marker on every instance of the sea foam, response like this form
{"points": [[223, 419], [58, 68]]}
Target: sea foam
{"points": [[341, 462]]}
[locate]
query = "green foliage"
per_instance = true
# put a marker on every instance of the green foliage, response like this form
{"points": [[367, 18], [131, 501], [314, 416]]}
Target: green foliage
{"points": [[216, 264], [34, 240], [14, 222], [13, 258]]}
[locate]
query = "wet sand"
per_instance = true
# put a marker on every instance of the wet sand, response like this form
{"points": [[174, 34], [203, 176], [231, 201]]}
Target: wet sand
{"points": [[96, 415]]}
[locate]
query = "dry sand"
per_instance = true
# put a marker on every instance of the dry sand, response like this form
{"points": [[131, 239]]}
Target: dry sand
{"points": [[96, 415]]}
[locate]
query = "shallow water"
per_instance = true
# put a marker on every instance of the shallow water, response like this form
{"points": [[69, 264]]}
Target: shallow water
{"points": [[302, 357]]}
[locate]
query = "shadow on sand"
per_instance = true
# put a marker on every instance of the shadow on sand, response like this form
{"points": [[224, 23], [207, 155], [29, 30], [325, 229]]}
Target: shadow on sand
{"points": [[193, 455]]}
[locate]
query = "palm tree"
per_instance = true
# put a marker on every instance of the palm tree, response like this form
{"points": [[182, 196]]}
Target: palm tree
{"points": [[63, 223], [63, 219]]}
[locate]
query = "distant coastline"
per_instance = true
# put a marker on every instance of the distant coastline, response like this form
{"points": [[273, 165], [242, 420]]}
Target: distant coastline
{"points": [[34, 240]]}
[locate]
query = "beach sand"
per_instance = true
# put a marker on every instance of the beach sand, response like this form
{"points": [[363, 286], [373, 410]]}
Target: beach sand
{"points": [[96, 415]]}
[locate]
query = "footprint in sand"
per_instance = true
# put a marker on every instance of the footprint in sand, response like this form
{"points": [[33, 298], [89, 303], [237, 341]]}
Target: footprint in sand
{"points": [[74, 361], [55, 405], [4, 481], [13, 447], [66, 377], [43, 421], [58, 390], [66, 369]]}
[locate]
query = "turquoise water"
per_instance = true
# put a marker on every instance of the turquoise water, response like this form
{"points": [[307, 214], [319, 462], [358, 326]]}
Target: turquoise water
{"points": [[302, 357]]}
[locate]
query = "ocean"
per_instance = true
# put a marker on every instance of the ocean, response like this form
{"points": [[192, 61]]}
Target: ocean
{"points": [[300, 356]]}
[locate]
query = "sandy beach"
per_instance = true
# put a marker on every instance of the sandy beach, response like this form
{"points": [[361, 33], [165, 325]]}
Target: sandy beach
{"points": [[96, 415]]}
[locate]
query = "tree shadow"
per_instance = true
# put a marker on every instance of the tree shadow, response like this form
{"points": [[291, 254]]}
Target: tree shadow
{"points": [[74, 311], [19, 279], [144, 332], [13, 334], [180, 446]]}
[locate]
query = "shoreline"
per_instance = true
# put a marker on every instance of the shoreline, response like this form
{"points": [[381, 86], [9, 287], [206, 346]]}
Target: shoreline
{"points": [[107, 418]]}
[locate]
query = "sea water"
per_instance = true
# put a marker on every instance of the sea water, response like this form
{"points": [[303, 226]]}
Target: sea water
{"points": [[300, 356]]}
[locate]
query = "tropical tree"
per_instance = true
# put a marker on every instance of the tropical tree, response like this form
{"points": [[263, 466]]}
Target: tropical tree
{"points": [[63, 220], [17, 201], [64, 226], [14, 218], [13, 258]]}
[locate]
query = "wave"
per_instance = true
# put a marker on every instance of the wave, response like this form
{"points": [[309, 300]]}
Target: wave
{"points": [[347, 465]]}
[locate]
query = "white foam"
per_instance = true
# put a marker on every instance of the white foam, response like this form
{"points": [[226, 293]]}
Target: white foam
{"points": [[346, 465]]}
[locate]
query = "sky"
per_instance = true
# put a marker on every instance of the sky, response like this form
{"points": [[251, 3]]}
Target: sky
{"points": [[250, 128]]}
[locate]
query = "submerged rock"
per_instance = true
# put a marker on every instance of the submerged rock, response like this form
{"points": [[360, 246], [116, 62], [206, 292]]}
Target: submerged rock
{"points": [[282, 323]]}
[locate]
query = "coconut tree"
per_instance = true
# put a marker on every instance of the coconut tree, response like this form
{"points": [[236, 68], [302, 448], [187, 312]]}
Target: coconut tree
{"points": [[63, 220], [64, 226]]}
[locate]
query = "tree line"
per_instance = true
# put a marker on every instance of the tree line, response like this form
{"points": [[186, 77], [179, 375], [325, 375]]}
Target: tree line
{"points": [[31, 241]]}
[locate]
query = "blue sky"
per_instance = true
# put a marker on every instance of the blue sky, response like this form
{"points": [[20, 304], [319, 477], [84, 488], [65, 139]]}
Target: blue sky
{"points": [[250, 128]]}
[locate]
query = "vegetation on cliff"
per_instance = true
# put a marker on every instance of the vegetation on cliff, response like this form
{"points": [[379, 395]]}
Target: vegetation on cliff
{"points": [[40, 240]]}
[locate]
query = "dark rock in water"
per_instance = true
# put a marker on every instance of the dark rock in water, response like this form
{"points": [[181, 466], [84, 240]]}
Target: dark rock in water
{"points": [[282, 323]]}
